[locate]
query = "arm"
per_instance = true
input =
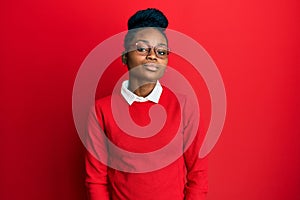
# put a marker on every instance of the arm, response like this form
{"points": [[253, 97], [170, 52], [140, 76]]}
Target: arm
{"points": [[197, 181], [196, 186], [96, 178], [96, 172]]}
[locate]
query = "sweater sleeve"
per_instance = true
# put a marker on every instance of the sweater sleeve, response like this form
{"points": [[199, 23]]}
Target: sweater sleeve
{"points": [[96, 180], [196, 186]]}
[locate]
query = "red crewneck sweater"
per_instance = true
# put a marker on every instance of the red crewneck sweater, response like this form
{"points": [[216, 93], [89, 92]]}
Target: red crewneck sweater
{"points": [[185, 178]]}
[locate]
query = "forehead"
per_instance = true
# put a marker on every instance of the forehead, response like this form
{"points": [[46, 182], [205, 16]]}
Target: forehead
{"points": [[151, 35]]}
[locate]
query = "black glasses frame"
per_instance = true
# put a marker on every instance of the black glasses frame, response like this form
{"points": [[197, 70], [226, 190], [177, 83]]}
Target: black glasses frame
{"points": [[144, 49]]}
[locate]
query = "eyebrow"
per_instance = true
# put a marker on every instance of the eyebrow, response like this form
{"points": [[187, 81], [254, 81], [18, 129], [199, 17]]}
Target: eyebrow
{"points": [[146, 41]]}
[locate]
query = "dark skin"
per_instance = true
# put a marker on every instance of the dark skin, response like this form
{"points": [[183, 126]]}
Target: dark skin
{"points": [[144, 71]]}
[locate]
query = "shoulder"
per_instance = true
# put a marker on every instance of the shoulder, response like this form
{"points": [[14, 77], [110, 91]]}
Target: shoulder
{"points": [[188, 102], [170, 95], [106, 102], [103, 101]]}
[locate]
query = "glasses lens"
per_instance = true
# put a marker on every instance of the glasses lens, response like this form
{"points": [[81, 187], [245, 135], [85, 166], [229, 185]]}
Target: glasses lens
{"points": [[142, 48], [162, 52]]}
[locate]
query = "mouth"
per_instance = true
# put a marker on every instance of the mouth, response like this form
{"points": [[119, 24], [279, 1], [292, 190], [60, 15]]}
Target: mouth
{"points": [[151, 67]]}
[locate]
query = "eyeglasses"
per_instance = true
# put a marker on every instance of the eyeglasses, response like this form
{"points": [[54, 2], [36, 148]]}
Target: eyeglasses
{"points": [[144, 49]]}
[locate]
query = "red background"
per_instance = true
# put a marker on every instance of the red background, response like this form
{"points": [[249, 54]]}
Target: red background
{"points": [[255, 45]]}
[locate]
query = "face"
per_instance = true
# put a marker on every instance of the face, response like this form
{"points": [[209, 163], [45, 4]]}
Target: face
{"points": [[147, 59]]}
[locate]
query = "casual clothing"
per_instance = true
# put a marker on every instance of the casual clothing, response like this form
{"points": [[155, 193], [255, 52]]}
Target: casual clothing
{"points": [[184, 178]]}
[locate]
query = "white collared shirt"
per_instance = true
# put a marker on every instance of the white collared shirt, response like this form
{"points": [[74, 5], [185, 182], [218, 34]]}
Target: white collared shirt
{"points": [[130, 97]]}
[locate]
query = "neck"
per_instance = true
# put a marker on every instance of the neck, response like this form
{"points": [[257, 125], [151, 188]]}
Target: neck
{"points": [[141, 89]]}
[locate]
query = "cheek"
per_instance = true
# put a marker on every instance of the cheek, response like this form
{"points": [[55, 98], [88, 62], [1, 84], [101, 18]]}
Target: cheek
{"points": [[133, 61], [163, 69], [166, 62]]}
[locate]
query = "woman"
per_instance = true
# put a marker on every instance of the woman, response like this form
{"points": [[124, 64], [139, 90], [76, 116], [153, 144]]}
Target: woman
{"points": [[146, 56]]}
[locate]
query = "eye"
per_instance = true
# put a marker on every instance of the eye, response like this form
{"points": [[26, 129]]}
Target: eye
{"points": [[162, 51], [141, 49]]}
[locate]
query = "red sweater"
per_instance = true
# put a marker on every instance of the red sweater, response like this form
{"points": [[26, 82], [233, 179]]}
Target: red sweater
{"points": [[184, 178]]}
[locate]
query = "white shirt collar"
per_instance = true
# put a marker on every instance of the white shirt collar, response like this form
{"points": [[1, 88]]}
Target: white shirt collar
{"points": [[130, 97]]}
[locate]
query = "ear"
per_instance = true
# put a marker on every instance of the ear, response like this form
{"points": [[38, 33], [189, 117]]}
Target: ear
{"points": [[124, 58]]}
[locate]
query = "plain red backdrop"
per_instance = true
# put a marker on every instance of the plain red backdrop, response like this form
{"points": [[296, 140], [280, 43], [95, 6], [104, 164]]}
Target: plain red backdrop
{"points": [[255, 45]]}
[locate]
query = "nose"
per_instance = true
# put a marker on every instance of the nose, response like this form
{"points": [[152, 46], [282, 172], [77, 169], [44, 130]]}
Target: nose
{"points": [[151, 54]]}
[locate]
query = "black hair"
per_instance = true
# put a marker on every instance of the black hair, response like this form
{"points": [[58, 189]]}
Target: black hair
{"points": [[151, 17]]}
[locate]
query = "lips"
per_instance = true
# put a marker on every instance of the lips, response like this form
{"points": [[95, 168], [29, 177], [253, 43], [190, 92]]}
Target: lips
{"points": [[151, 67]]}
